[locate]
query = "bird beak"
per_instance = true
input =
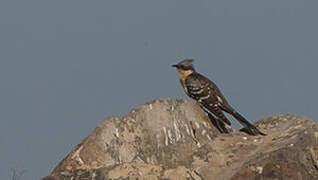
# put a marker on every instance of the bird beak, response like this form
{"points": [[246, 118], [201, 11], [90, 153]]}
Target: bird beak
{"points": [[175, 66]]}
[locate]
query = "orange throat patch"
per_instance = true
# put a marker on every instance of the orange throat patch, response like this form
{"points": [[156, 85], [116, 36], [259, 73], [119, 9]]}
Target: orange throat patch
{"points": [[183, 74]]}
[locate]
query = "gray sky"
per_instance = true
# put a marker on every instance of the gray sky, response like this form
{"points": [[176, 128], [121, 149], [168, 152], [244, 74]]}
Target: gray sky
{"points": [[67, 65]]}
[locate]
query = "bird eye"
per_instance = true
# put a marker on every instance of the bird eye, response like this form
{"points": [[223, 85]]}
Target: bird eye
{"points": [[184, 67]]}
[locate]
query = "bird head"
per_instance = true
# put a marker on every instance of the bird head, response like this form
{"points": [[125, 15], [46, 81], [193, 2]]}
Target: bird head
{"points": [[184, 68]]}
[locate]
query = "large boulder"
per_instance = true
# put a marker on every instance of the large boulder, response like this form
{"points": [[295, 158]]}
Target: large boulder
{"points": [[175, 139]]}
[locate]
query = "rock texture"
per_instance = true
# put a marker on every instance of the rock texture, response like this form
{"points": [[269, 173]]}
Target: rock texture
{"points": [[174, 139]]}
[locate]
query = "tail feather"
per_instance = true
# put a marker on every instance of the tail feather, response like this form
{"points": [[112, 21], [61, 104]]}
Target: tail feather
{"points": [[250, 128]]}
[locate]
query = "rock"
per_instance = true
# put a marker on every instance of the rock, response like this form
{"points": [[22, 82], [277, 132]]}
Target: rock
{"points": [[174, 139]]}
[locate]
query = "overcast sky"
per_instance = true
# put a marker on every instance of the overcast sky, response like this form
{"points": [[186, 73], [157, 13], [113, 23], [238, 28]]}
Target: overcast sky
{"points": [[67, 65]]}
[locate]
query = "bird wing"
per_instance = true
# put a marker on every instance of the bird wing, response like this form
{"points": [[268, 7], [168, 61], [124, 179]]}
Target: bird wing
{"points": [[206, 93], [202, 89]]}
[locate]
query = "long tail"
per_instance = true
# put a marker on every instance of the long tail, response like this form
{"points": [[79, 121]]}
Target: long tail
{"points": [[250, 128]]}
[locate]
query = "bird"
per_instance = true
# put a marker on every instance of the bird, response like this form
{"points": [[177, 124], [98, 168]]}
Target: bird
{"points": [[210, 98]]}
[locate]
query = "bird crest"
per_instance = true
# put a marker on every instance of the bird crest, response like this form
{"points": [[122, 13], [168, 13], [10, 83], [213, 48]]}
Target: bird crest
{"points": [[185, 65]]}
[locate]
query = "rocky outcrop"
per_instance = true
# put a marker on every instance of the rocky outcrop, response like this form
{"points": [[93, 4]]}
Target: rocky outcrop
{"points": [[174, 139]]}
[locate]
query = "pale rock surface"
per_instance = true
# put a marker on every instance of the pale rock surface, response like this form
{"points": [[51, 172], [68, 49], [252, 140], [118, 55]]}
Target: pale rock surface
{"points": [[174, 139]]}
